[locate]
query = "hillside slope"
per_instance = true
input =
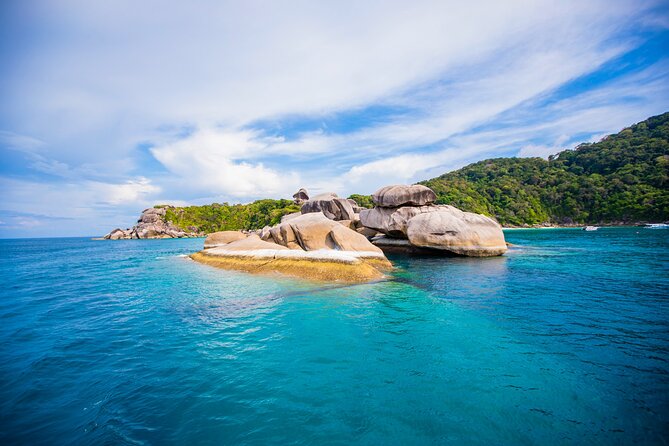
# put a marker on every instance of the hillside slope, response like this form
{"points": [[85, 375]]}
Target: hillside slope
{"points": [[624, 178], [229, 217]]}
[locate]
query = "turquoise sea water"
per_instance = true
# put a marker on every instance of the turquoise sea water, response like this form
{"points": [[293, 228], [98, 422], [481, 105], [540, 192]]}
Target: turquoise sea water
{"points": [[564, 340]]}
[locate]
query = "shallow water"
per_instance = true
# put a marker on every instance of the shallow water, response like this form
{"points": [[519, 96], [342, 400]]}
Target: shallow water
{"points": [[564, 340]]}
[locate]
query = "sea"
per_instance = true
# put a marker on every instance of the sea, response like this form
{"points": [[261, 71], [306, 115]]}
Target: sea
{"points": [[563, 340]]}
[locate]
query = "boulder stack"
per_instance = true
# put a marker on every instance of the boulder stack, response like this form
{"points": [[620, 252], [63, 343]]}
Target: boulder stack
{"points": [[331, 206], [301, 196], [309, 246], [409, 213], [401, 195], [151, 224]]}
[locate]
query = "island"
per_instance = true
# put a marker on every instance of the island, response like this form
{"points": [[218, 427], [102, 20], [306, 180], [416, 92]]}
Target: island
{"points": [[333, 239], [622, 179]]}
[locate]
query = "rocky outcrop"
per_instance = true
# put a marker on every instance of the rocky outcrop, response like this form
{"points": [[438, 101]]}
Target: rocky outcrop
{"points": [[315, 231], [354, 205], [402, 195], [223, 238], [301, 196], [331, 206], [408, 215], [251, 243], [287, 217], [151, 224], [458, 232], [311, 246], [118, 234], [392, 221]]}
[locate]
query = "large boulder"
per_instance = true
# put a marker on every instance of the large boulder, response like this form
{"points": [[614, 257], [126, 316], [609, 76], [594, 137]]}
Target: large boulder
{"points": [[118, 234], [325, 196], [149, 231], [222, 238], [250, 243], [152, 215], [287, 217], [367, 232], [315, 231], [331, 206], [354, 205], [453, 230], [283, 234], [402, 195], [300, 196], [392, 221], [265, 233]]}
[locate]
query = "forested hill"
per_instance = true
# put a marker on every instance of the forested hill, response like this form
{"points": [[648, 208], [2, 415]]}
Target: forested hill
{"points": [[624, 178]]}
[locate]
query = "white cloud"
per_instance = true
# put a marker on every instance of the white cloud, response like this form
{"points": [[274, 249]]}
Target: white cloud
{"points": [[74, 208], [132, 191], [206, 161]]}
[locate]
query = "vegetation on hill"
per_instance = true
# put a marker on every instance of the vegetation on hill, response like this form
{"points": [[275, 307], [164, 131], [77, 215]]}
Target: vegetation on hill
{"points": [[230, 217], [364, 201], [622, 178]]}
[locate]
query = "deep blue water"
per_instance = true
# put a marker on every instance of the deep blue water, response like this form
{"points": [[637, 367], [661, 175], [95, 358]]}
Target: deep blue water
{"points": [[564, 340]]}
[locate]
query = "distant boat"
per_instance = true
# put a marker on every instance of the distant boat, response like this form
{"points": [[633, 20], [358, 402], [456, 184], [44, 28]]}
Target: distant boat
{"points": [[657, 226], [591, 228]]}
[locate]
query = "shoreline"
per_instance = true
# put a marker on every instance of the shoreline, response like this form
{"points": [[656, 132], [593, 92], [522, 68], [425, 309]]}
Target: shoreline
{"points": [[314, 266], [631, 225]]}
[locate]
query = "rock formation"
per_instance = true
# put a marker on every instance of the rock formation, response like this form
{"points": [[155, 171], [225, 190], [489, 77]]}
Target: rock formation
{"points": [[452, 230], [223, 238], [151, 224], [287, 217], [392, 221], [408, 213], [314, 231], [300, 196], [331, 206], [311, 246], [329, 239], [400, 195]]}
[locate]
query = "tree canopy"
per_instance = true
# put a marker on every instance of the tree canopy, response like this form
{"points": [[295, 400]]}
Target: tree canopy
{"points": [[624, 178]]}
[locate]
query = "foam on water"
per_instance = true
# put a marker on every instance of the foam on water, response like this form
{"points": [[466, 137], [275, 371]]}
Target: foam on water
{"points": [[563, 340]]}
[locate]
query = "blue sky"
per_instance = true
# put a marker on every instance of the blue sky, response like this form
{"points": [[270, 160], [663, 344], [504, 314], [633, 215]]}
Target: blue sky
{"points": [[106, 109]]}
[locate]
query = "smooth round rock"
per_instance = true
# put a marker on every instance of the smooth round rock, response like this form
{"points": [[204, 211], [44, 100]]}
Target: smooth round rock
{"points": [[403, 195], [222, 238], [453, 230]]}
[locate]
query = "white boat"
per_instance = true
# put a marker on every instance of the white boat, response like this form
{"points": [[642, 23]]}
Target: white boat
{"points": [[591, 228], [657, 226]]}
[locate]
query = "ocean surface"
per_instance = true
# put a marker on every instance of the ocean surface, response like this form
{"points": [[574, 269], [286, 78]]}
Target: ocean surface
{"points": [[564, 340]]}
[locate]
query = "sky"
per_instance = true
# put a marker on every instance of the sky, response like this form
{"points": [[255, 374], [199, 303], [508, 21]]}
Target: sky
{"points": [[107, 108]]}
